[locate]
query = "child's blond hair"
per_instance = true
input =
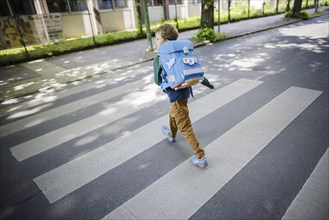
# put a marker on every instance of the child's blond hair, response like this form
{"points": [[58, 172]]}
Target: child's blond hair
{"points": [[167, 32]]}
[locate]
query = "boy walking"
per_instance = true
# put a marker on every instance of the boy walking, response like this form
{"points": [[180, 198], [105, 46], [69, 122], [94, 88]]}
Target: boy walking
{"points": [[179, 119]]}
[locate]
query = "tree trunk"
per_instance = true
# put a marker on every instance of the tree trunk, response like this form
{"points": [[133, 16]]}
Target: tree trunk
{"points": [[288, 6], [139, 17], [229, 11], [296, 8], [147, 25], [218, 16], [165, 6], [248, 8], [316, 4], [207, 14]]}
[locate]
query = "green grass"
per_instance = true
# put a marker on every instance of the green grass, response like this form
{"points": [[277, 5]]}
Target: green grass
{"points": [[16, 55]]}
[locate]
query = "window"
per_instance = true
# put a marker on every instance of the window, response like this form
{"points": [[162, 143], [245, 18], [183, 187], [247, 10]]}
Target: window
{"points": [[67, 5], [162, 2], [105, 4], [120, 4], [178, 2], [78, 5], [155, 2], [17, 7], [4, 10], [57, 6], [112, 4], [22, 7]]}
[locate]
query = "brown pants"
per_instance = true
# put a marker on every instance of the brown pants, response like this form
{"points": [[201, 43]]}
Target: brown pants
{"points": [[179, 120]]}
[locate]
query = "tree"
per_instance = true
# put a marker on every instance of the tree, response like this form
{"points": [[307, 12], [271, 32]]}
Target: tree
{"points": [[165, 4], [140, 17], [316, 3], [229, 11], [296, 8], [218, 11], [288, 5], [264, 4], [147, 25], [277, 7], [207, 14], [248, 8]]}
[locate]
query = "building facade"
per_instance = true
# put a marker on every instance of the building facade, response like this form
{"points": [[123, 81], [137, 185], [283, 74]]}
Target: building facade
{"points": [[82, 17], [38, 21]]}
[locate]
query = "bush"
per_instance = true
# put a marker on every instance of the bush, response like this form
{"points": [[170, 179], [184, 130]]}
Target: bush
{"points": [[301, 15], [304, 15], [206, 34], [10, 55]]}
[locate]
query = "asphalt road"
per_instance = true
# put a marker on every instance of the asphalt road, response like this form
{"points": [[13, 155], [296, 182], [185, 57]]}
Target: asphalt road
{"points": [[95, 150]]}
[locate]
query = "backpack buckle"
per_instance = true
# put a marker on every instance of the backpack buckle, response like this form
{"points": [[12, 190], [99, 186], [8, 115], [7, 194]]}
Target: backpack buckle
{"points": [[185, 50]]}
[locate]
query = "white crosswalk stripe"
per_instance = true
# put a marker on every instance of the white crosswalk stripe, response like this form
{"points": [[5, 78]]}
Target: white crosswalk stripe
{"points": [[180, 193]]}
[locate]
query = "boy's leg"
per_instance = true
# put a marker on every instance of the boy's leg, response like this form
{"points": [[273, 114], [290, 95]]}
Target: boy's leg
{"points": [[172, 123], [180, 113]]}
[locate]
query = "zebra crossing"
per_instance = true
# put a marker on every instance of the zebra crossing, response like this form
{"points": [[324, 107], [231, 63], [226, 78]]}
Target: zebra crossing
{"points": [[230, 153], [184, 189], [122, 149]]}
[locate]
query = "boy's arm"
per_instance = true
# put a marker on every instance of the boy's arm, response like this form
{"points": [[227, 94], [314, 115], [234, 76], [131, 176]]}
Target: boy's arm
{"points": [[157, 70]]}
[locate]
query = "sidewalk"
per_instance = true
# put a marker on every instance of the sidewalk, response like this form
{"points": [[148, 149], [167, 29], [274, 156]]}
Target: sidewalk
{"points": [[54, 73]]}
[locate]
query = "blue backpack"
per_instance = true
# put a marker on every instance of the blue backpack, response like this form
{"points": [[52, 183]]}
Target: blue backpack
{"points": [[182, 68]]}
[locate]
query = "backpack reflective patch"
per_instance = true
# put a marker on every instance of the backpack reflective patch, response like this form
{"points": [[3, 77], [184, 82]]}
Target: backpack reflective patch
{"points": [[181, 66]]}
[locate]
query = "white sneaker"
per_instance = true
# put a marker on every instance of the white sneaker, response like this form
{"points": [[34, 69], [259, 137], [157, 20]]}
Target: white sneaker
{"points": [[199, 162], [165, 130]]}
